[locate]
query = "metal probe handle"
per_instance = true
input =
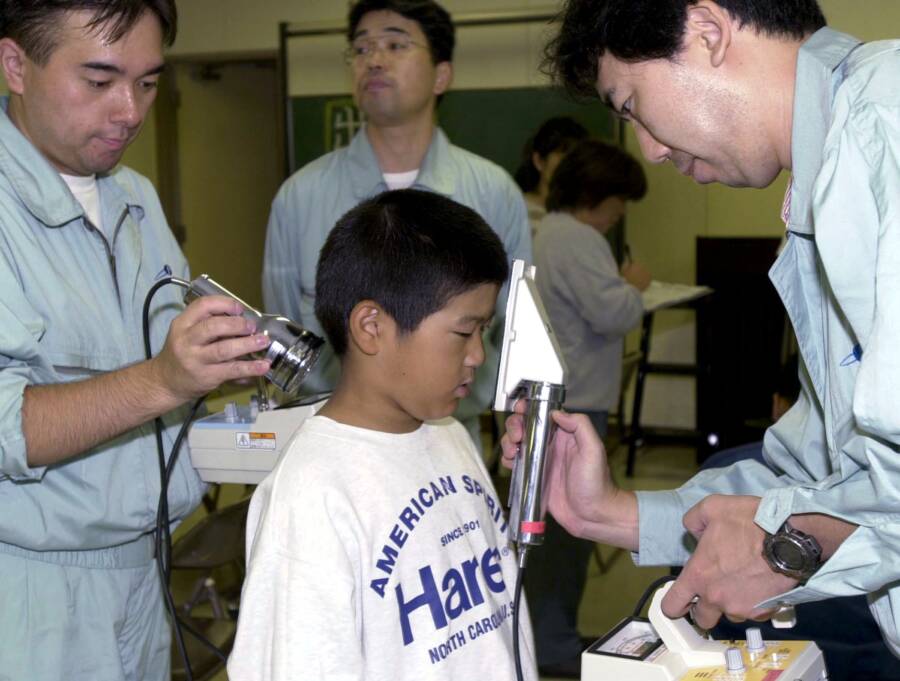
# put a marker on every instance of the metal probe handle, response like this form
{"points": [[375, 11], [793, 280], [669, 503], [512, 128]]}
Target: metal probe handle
{"points": [[526, 523], [204, 286], [292, 350]]}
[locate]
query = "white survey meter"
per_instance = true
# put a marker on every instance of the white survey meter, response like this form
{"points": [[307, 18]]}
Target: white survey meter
{"points": [[664, 649]]}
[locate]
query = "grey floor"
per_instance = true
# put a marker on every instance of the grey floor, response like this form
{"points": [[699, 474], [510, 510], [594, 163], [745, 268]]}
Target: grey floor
{"points": [[614, 583]]}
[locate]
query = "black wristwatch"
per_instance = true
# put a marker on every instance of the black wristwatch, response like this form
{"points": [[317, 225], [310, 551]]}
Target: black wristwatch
{"points": [[792, 553]]}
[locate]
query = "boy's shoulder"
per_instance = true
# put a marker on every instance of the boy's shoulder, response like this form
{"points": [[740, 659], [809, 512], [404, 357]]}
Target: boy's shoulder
{"points": [[327, 461], [320, 444]]}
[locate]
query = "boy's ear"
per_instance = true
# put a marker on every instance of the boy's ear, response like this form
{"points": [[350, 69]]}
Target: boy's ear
{"points": [[368, 326]]}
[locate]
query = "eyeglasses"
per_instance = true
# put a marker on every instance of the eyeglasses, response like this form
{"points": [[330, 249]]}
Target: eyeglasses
{"points": [[397, 45]]}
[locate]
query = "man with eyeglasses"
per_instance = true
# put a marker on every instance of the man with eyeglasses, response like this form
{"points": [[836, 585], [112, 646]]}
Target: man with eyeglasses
{"points": [[400, 55]]}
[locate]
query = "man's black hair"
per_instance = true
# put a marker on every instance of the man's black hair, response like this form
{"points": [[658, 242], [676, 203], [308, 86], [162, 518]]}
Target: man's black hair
{"points": [[410, 251], [559, 133], [640, 30], [433, 19], [34, 24], [592, 172]]}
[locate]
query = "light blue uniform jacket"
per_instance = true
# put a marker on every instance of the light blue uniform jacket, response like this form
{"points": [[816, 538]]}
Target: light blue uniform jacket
{"points": [[70, 308], [312, 200], [838, 449]]}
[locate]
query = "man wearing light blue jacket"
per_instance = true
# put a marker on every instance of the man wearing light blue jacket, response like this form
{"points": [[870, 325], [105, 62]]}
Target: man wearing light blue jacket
{"points": [[732, 91], [81, 243], [400, 55]]}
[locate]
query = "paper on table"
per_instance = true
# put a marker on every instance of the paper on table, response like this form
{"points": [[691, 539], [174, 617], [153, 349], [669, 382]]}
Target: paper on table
{"points": [[663, 294]]}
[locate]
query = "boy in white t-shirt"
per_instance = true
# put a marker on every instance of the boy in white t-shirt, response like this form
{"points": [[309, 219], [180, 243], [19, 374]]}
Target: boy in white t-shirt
{"points": [[377, 547]]}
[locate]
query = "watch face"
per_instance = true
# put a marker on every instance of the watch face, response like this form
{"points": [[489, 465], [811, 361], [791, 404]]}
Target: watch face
{"points": [[788, 554]]}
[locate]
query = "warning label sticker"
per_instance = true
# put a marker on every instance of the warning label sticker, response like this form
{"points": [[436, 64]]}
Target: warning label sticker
{"points": [[255, 441]]}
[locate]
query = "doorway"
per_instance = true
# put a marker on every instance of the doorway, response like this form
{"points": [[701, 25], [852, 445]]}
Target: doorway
{"points": [[219, 149]]}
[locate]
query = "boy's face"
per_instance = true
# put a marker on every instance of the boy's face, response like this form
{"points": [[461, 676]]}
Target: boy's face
{"points": [[432, 368]]}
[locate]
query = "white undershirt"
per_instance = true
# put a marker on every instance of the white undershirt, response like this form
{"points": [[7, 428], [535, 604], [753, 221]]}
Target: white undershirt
{"points": [[87, 193], [400, 180]]}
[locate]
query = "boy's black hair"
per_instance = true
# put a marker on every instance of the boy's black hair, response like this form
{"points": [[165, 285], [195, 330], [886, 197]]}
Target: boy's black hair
{"points": [[34, 24], [433, 19], [410, 251], [559, 133], [640, 30], [594, 171]]}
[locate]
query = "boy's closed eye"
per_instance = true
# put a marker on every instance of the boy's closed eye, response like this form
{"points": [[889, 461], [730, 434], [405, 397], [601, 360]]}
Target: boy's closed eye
{"points": [[481, 328]]}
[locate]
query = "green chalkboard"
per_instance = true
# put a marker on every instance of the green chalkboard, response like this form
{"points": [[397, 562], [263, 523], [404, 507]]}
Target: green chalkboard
{"points": [[491, 123]]}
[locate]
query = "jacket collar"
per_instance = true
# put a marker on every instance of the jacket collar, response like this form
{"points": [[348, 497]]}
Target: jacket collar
{"points": [[435, 173], [38, 184], [817, 80]]}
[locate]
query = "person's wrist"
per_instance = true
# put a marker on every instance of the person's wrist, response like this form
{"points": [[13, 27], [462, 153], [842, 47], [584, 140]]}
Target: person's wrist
{"points": [[621, 507], [612, 519], [160, 385], [829, 531]]}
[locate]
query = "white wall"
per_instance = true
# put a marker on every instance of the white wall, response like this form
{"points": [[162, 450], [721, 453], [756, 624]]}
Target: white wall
{"points": [[230, 168], [485, 58], [221, 26]]}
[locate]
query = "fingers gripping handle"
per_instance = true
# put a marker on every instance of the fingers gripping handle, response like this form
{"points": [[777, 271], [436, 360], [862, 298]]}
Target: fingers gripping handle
{"points": [[292, 350], [526, 527]]}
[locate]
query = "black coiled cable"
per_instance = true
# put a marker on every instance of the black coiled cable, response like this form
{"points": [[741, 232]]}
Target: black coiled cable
{"points": [[162, 533]]}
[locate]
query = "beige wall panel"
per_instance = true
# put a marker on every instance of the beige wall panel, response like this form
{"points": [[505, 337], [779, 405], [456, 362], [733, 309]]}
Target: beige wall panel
{"points": [[486, 57], [230, 171], [746, 212], [316, 66], [221, 26], [141, 155], [489, 57], [662, 227], [217, 26], [866, 19]]}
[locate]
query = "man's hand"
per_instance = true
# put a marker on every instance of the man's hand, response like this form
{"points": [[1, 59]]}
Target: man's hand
{"points": [[580, 492], [205, 347], [727, 570], [637, 275]]}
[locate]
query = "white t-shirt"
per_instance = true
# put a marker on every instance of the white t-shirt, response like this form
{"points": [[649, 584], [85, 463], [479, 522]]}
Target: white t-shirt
{"points": [[87, 194], [381, 557], [400, 180]]}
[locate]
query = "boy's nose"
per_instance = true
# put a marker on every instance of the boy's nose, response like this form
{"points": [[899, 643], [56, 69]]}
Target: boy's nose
{"points": [[475, 355]]}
